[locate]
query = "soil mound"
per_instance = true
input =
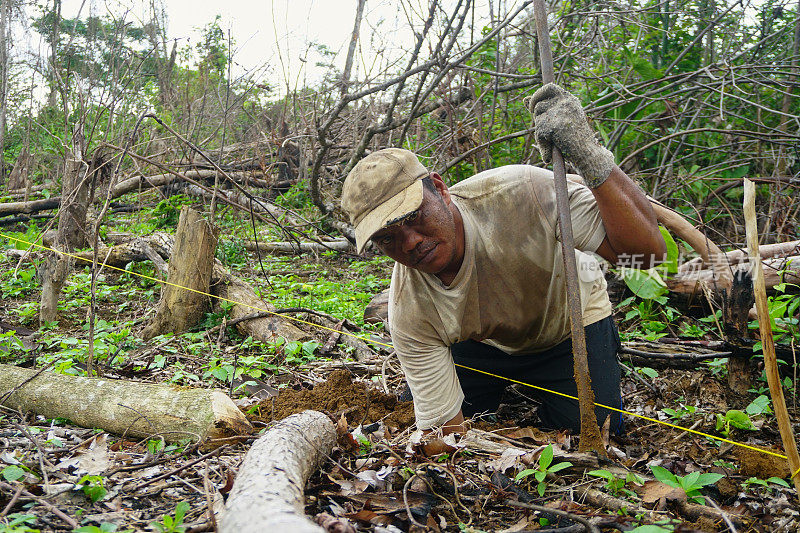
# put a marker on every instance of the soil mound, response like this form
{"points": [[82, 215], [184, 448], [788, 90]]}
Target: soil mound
{"points": [[339, 395]]}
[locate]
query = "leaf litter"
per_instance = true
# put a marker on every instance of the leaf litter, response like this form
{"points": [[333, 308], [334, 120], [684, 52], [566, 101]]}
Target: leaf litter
{"points": [[383, 476]]}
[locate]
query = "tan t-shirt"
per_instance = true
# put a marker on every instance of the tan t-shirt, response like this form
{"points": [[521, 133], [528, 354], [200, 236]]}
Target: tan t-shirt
{"points": [[509, 291]]}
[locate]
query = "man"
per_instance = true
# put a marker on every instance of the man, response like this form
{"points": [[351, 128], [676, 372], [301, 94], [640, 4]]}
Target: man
{"points": [[478, 278]]}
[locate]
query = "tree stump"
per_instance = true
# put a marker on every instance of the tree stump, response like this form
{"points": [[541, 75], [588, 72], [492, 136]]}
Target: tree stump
{"points": [[19, 174], [268, 492], [190, 267], [71, 234], [735, 316]]}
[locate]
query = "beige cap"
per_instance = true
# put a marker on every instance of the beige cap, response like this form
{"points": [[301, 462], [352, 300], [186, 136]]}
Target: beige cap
{"points": [[381, 189]]}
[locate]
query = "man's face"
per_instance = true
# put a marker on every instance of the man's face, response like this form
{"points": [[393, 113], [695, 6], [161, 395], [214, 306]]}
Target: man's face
{"points": [[430, 239]]}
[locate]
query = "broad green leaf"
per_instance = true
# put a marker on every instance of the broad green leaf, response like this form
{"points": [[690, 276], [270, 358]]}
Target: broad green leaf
{"points": [[664, 476], [525, 473], [670, 263], [689, 480], [778, 481], [13, 473], [605, 474], [559, 466], [739, 419], [759, 406], [180, 511], [541, 487], [540, 475], [646, 284], [708, 479], [546, 457]]}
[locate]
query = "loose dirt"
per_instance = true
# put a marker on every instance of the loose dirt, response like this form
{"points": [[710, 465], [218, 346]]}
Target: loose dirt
{"points": [[339, 395]]}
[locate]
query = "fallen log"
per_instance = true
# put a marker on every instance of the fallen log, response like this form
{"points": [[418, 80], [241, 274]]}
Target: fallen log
{"points": [[33, 206], [342, 245], [737, 257], [719, 277], [245, 300], [689, 282], [132, 251], [130, 409], [267, 494], [159, 180]]}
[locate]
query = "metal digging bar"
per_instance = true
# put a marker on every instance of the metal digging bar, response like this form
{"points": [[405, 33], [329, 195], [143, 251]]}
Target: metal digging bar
{"points": [[590, 432]]}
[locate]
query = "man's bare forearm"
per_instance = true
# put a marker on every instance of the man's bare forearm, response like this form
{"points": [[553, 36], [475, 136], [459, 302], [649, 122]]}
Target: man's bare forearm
{"points": [[632, 234]]}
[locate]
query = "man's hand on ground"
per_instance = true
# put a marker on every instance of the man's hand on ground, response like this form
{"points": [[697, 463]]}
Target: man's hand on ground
{"points": [[560, 121]]}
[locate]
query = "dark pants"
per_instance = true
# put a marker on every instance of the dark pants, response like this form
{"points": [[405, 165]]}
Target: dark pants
{"points": [[552, 370]]}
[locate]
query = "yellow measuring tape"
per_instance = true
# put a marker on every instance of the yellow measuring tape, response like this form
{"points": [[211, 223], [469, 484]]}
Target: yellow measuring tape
{"points": [[622, 411]]}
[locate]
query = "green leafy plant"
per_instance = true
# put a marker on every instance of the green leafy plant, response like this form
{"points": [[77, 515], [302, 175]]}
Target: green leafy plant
{"points": [[105, 527], [545, 467], [12, 473], [651, 373], [733, 419], [174, 523], [718, 366], [753, 482], [783, 313], [18, 523], [93, 487], [616, 485], [690, 483], [759, 406], [680, 412]]}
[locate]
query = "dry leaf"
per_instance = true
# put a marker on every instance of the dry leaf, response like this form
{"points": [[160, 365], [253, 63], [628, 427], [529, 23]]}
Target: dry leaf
{"points": [[655, 491]]}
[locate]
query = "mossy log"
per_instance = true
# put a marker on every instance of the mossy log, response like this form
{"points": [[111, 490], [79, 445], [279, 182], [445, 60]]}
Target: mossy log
{"points": [[130, 409], [267, 494]]}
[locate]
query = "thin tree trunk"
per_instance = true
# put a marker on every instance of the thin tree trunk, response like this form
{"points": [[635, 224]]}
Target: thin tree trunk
{"points": [[4, 13], [351, 50], [54, 40], [783, 159], [71, 234]]}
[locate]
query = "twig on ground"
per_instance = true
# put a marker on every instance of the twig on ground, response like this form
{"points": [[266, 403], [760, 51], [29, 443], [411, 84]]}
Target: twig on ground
{"points": [[558, 512]]}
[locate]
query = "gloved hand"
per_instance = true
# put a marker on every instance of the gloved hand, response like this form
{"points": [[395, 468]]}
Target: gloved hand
{"points": [[559, 119]]}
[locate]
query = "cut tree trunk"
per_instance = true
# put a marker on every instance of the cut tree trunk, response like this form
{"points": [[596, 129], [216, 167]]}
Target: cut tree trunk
{"points": [[71, 234], [268, 492], [19, 174], [735, 317], [131, 409], [190, 267]]}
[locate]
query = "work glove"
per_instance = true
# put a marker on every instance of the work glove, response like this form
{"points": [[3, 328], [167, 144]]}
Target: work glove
{"points": [[559, 120]]}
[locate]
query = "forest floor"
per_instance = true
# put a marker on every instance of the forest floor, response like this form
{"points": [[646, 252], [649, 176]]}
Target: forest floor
{"points": [[380, 477]]}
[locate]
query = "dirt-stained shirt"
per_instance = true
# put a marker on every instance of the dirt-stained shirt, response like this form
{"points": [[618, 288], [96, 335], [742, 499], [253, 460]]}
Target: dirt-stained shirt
{"points": [[509, 292]]}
